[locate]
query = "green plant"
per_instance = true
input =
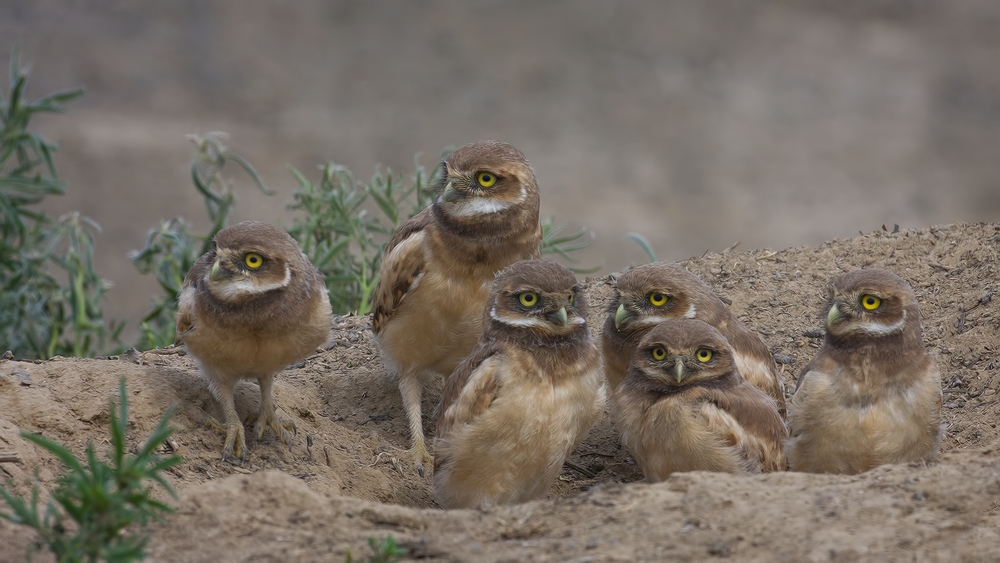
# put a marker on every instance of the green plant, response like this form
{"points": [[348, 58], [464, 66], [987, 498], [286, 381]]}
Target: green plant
{"points": [[644, 245], [342, 237], [41, 315], [95, 503], [341, 224], [386, 551], [171, 250]]}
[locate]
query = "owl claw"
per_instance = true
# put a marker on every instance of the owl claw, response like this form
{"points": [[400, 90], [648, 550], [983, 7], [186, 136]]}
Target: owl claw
{"points": [[421, 458], [235, 449], [279, 425]]}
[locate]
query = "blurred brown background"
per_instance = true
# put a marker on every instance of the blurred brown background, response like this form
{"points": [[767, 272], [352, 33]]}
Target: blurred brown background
{"points": [[697, 124]]}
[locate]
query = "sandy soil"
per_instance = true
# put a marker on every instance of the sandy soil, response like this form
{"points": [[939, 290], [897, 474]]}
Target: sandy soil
{"points": [[317, 503]]}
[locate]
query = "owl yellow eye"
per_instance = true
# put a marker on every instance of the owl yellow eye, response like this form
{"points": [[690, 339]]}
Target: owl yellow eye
{"points": [[659, 353], [486, 179], [657, 299], [528, 298], [870, 302], [253, 260], [704, 355], [571, 297]]}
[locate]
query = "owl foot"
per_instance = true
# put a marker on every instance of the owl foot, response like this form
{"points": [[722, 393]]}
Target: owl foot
{"points": [[267, 418], [423, 460], [235, 449]]}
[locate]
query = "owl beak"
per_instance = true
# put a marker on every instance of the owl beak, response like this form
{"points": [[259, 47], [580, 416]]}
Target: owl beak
{"points": [[218, 272], [679, 369], [834, 316], [450, 193], [561, 317], [622, 316]]}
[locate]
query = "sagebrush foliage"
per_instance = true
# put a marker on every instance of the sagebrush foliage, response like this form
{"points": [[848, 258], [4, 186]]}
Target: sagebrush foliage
{"points": [[89, 515]]}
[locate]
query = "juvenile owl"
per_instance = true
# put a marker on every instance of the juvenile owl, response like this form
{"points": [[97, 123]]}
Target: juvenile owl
{"points": [[649, 294], [529, 392], [438, 267], [248, 308], [684, 407], [871, 395]]}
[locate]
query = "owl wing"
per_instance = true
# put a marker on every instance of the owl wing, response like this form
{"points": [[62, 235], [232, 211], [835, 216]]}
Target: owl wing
{"points": [[470, 389], [402, 265], [747, 418], [185, 303]]}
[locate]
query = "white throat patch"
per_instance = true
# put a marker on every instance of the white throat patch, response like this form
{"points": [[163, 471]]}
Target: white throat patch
{"points": [[244, 287], [532, 322], [485, 206], [868, 327]]}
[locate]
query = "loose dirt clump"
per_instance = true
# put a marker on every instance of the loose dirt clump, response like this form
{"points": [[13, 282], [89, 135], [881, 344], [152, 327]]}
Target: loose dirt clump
{"points": [[346, 477]]}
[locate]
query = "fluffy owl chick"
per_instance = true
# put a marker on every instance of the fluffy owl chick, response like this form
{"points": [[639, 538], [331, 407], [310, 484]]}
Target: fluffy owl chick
{"points": [[529, 392], [438, 267], [248, 308], [649, 294], [871, 395], [684, 407]]}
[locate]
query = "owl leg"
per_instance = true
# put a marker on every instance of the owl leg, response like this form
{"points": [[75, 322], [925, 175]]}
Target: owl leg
{"points": [[267, 417], [235, 449], [409, 388]]}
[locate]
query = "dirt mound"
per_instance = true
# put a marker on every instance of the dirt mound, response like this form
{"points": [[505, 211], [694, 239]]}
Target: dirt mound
{"points": [[314, 503]]}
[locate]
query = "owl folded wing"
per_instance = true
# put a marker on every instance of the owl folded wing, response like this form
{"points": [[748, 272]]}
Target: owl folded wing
{"points": [[746, 418], [402, 265], [470, 389]]}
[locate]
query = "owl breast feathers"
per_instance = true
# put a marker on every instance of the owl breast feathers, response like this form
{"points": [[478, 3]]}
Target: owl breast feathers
{"points": [[684, 407], [871, 395], [652, 293], [521, 402], [438, 267]]}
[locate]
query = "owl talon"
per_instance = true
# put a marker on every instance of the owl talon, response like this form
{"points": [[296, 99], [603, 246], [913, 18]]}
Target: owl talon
{"points": [[421, 459], [279, 425], [235, 449]]}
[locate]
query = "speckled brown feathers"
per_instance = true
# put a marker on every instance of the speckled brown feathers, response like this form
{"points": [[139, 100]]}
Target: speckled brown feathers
{"points": [[638, 307], [684, 407], [521, 402], [871, 395], [438, 267], [248, 308]]}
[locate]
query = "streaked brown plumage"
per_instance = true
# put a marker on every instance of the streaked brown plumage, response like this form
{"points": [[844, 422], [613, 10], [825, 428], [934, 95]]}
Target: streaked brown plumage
{"points": [[248, 308], [635, 310], [684, 407], [525, 397], [871, 395], [438, 267]]}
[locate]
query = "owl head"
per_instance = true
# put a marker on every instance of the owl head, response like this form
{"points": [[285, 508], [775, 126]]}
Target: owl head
{"points": [[537, 297], [870, 304], [681, 352], [487, 188], [652, 293], [251, 259]]}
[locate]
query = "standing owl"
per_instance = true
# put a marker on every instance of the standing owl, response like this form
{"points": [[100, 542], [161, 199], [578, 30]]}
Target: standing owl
{"points": [[649, 294], [684, 407], [248, 308], [871, 395], [438, 267], [520, 403]]}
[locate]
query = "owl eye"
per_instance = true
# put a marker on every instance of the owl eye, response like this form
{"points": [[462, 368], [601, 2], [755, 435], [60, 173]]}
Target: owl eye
{"points": [[704, 355], [528, 298], [870, 302], [659, 353], [657, 299], [571, 297], [253, 260], [486, 179]]}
